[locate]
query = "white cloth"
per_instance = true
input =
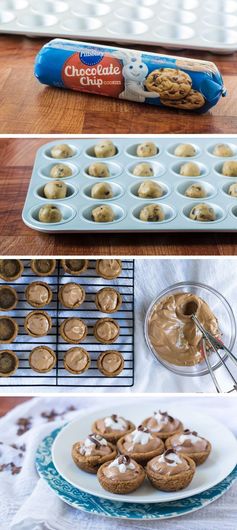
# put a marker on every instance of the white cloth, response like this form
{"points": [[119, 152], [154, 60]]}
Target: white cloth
{"points": [[27, 503]]}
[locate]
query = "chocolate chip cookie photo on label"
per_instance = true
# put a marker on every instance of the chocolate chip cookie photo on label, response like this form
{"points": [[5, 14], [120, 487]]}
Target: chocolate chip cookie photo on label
{"points": [[169, 83]]}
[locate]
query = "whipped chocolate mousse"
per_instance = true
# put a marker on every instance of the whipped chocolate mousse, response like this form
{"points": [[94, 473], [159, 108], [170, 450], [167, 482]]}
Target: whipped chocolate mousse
{"points": [[172, 332], [9, 363], [110, 363], [189, 443], [38, 294], [140, 445], [8, 298], [108, 300], [163, 425], [42, 359], [11, 269], [73, 330], [76, 360], [8, 330], [75, 267], [108, 268], [43, 267], [92, 452], [71, 295], [122, 475], [106, 330], [170, 471], [113, 427], [38, 323]]}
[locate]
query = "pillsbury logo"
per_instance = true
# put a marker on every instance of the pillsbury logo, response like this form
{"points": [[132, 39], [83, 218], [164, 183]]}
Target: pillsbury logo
{"points": [[91, 57]]}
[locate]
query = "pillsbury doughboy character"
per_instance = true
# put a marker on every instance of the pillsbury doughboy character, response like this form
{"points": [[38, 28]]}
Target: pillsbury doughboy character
{"points": [[134, 72]]}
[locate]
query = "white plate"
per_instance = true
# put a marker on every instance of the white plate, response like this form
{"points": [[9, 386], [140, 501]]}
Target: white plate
{"points": [[220, 463]]}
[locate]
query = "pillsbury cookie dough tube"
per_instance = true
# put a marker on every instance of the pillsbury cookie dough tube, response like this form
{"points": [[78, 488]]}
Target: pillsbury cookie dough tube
{"points": [[144, 77]]}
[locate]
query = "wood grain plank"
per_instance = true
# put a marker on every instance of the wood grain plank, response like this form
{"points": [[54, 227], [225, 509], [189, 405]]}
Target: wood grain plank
{"points": [[9, 403]]}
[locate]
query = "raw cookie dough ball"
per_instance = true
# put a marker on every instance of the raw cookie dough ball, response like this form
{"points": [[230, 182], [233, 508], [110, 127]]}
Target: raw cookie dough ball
{"points": [[61, 151], [222, 150], [143, 170], [102, 190], [195, 191], [98, 169], [105, 149], [202, 212], [147, 149], [233, 190], [185, 150], [190, 169], [103, 214], [55, 190], [49, 214], [152, 213], [60, 171], [150, 190], [229, 169]]}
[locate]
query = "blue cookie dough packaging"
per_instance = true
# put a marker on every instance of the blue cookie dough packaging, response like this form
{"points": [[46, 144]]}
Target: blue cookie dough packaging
{"points": [[143, 77]]}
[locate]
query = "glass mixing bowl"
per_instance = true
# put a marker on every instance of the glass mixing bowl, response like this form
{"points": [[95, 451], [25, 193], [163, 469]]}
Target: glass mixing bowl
{"points": [[221, 310]]}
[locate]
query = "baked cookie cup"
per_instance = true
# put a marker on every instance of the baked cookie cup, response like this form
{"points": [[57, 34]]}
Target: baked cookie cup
{"points": [[109, 269], [38, 294], [73, 330], [42, 359], [11, 269], [76, 360], [8, 298], [120, 476], [113, 430], [163, 425], [176, 481], [91, 463], [110, 363], [38, 323], [71, 295], [142, 456], [9, 363], [8, 329], [43, 267], [108, 300], [74, 267], [106, 330], [198, 456]]}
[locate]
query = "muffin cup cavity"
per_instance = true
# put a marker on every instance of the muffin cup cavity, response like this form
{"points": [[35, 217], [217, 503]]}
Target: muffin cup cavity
{"points": [[71, 192], [117, 190], [45, 171], [119, 214], [177, 167], [47, 152], [225, 188], [209, 189], [158, 169], [131, 151], [68, 213], [218, 170], [169, 212], [90, 153], [171, 151], [219, 212], [133, 190], [114, 169]]}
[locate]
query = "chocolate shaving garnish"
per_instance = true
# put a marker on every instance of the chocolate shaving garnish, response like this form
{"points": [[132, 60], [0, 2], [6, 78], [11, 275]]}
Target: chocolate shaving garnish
{"points": [[166, 415], [94, 440], [142, 429], [114, 418], [168, 452], [187, 431], [123, 459]]}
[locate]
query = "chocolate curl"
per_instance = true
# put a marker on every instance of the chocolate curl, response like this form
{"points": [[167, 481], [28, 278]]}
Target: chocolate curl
{"points": [[165, 414], [94, 438], [123, 459], [187, 431], [143, 429], [167, 453], [114, 418]]}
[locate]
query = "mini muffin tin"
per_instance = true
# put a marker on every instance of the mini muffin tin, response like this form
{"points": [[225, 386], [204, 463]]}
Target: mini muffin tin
{"points": [[22, 346], [77, 207], [199, 24]]}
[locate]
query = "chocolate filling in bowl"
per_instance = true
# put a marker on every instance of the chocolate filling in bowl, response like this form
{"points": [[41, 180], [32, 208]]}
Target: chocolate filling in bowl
{"points": [[110, 363], [8, 330], [38, 294], [38, 323], [74, 266], [43, 267], [11, 269], [42, 359], [9, 363], [8, 298]]}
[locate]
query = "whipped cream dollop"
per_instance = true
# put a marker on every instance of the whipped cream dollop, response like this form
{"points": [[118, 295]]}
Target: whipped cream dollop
{"points": [[92, 442], [122, 463], [141, 435], [170, 458], [189, 441], [162, 422], [115, 423], [169, 463]]}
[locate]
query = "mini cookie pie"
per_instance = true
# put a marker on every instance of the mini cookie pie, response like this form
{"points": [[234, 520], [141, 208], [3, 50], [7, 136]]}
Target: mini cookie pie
{"points": [[108, 268], [170, 471], [103, 214], [61, 151], [38, 294], [60, 171], [38, 323], [8, 330], [122, 475], [195, 191], [233, 190], [152, 213], [98, 170], [91, 453], [76, 360], [9, 363], [190, 444], [108, 300], [75, 267], [50, 214], [190, 169], [229, 169], [73, 330], [163, 425], [8, 298], [222, 150], [202, 212], [105, 149], [42, 359], [141, 445], [110, 363], [71, 295], [106, 330], [185, 150], [112, 427], [150, 190], [11, 269], [143, 170], [147, 149], [43, 267]]}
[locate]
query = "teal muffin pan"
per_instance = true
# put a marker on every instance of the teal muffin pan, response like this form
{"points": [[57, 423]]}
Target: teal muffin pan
{"points": [[77, 206]]}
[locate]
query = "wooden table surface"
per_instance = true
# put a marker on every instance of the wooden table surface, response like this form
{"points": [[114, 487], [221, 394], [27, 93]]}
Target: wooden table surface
{"points": [[17, 157], [29, 107], [8, 403]]}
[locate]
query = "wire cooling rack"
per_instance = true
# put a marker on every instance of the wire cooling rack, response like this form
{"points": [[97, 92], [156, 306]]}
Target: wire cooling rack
{"points": [[59, 377]]}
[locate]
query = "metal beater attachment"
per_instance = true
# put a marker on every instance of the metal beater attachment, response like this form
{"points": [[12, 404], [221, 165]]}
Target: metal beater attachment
{"points": [[216, 345]]}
